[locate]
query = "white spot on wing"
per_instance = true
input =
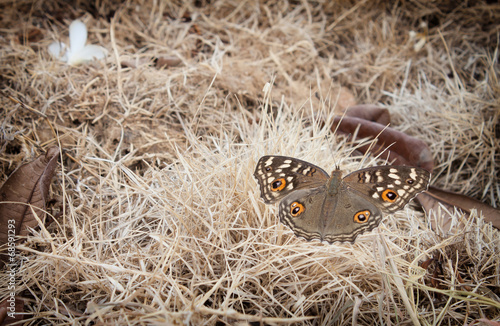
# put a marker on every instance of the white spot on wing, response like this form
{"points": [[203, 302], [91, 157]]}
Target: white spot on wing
{"points": [[413, 174]]}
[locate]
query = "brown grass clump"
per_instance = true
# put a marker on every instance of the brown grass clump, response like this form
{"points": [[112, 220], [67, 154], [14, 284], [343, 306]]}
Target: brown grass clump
{"points": [[161, 220]]}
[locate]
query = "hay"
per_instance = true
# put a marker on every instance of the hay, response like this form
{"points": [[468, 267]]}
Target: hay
{"points": [[162, 218]]}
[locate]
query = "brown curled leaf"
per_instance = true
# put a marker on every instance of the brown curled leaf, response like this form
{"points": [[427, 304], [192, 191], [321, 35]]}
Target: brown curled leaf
{"points": [[3, 314], [11, 310], [440, 205], [425, 264], [370, 112], [25, 192], [485, 321], [166, 62], [393, 145]]}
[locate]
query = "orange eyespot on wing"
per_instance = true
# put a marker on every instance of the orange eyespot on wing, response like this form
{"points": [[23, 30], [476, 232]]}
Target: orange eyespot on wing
{"points": [[362, 217], [389, 195], [296, 209], [278, 184]]}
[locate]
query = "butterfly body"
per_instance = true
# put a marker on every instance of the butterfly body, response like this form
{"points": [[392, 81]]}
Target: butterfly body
{"points": [[332, 208]]}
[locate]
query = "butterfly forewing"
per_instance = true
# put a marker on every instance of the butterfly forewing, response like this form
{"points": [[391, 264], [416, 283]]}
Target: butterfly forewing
{"points": [[390, 186], [280, 175]]}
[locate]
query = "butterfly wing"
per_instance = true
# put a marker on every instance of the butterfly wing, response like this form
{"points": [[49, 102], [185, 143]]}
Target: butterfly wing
{"points": [[278, 176], [301, 212], [315, 214], [351, 216], [390, 187]]}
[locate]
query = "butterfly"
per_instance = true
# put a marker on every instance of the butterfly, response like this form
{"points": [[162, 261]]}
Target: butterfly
{"points": [[319, 206]]}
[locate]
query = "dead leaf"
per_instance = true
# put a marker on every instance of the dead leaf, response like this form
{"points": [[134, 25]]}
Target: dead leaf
{"points": [[440, 205], [11, 310], [25, 192], [165, 62], [395, 146], [487, 322], [370, 112], [426, 263]]}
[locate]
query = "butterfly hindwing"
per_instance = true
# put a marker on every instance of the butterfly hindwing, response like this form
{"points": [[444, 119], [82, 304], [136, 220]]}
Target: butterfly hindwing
{"points": [[314, 214]]}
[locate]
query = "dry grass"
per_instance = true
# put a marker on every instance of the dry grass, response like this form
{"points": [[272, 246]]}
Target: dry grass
{"points": [[162, 218]]}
